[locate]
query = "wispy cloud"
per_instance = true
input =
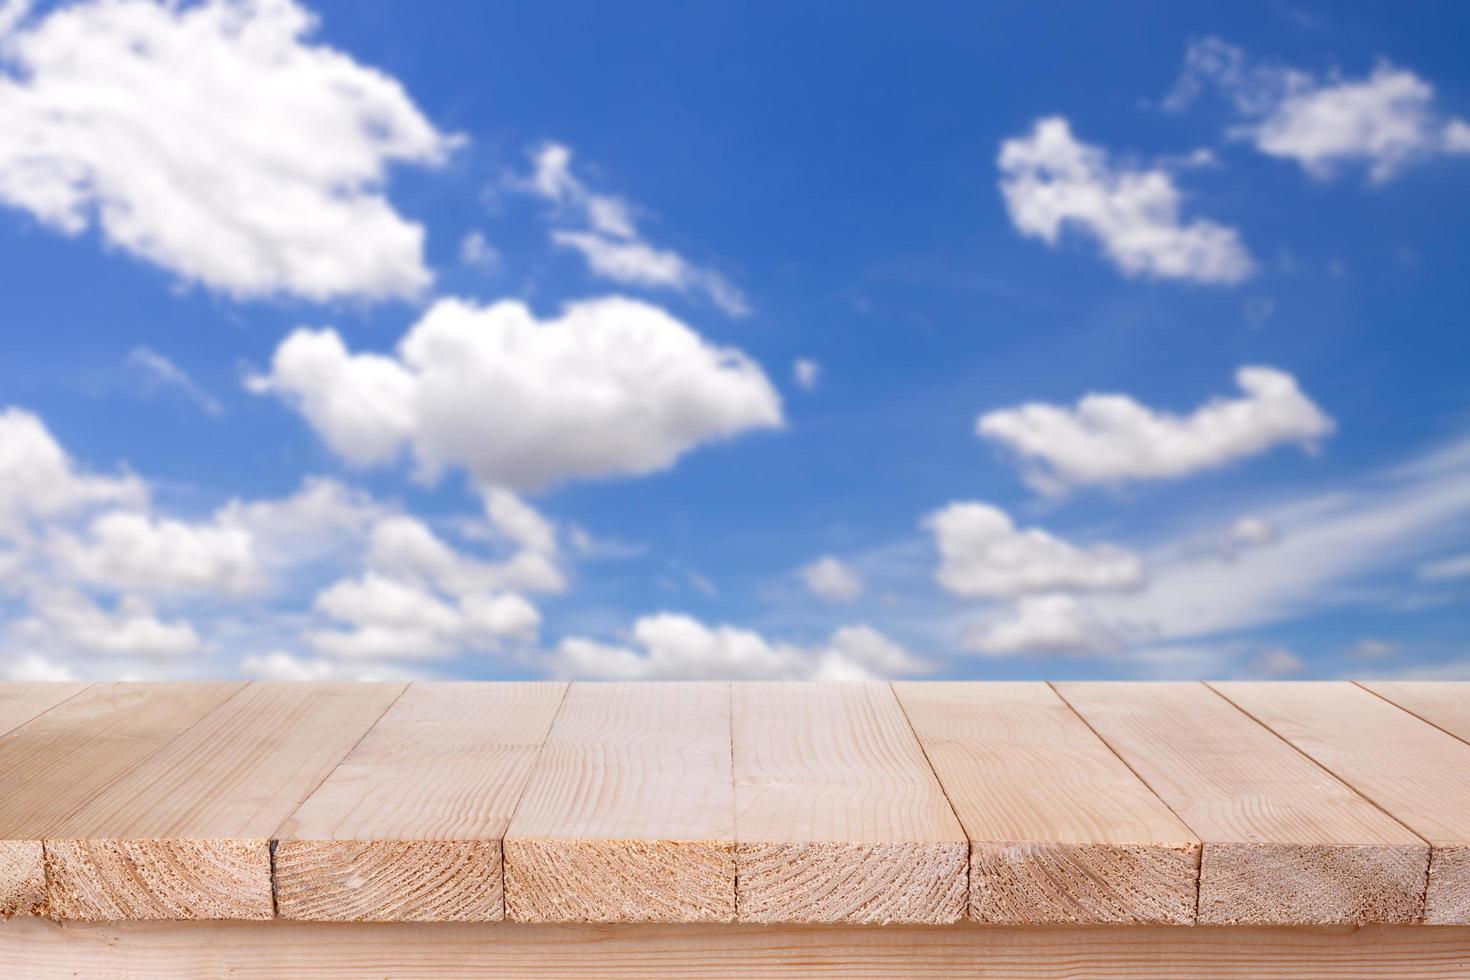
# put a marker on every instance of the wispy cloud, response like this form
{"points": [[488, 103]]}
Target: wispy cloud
{"points": [[159, 373]]}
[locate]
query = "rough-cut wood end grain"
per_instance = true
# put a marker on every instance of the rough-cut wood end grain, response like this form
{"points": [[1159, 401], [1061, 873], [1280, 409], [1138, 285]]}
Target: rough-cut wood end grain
{"points": [[1027, 882], [1447, 902], [22, 878], [555, 880], [101, 880], [1311, 884], [869, 883], [389, 881]]}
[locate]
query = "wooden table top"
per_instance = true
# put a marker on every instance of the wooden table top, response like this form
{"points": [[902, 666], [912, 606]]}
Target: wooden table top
{"points": [[1289, 804]]}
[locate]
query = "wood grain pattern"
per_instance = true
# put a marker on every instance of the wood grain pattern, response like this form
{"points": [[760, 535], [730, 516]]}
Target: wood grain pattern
{"points": [[1061, 831], [64, 757], [408, 827], [1417, 773], [838, 817], [19, 703], [629, 813], [40, 950], [186, 835], [1444, 704], [1285, 842]]}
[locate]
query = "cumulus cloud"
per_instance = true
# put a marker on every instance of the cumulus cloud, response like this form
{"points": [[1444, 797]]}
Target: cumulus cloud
{"points": [[421, 599], [1276, 662], [108, 586], [609, 240], [279, 665], [217, 142], [1111, 439], [390, 619], [124, 550], [832, 579], [983, 553], [38, 480], [613, 387], [32, 667], [67, 622], [1053, 183], [1384, 121], [1045, 624], [669, 646]]}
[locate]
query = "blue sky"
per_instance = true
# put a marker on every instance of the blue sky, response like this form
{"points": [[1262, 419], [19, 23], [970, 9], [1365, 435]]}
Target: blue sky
{"points": [[377, 339]]}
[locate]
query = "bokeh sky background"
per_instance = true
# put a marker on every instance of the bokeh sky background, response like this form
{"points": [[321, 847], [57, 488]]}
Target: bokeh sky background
{"points": [[751, 340]]}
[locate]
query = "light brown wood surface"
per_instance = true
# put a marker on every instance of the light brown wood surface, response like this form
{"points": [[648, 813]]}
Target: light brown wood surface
{"points": [[39, 950], [1285, 841], [19, 703], [186, 835], [629, 813], [1444, 704], [1061, 831], [54, 764], [838, 817], [409, 826], [1419, 774]]}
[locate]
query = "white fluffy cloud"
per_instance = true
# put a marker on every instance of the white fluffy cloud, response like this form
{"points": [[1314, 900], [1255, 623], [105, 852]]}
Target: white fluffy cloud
{"points": [[215, 141], [391, 620], [1052, 183], [676, 647], [94, 581], [610, 241], [613, 387], [1111, 439], [1384, 121], [68, 623], [124, 550], [279, 665], [983, 553], [1045, 624], [832, 579], [39, 482]]}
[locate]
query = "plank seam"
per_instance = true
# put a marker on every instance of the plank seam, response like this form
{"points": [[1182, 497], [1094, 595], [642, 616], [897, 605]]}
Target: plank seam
{"points": [[734, 807], [83, 804], [566, 690], [1408, 711], [923, 750], [1199, 856], [1428, 845], [75, 694], [1414, 714], [274, 836]]}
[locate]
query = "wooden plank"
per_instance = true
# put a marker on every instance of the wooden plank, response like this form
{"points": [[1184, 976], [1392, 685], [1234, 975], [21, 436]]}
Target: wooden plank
{"points": [[1061, 831], [40, 950], [629, 814], [1285, 842], [408, 827], [1419, 774], [59, 760], [838, 817], [22, 876], [19, 703], [186, 835], [1444, 704]]}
